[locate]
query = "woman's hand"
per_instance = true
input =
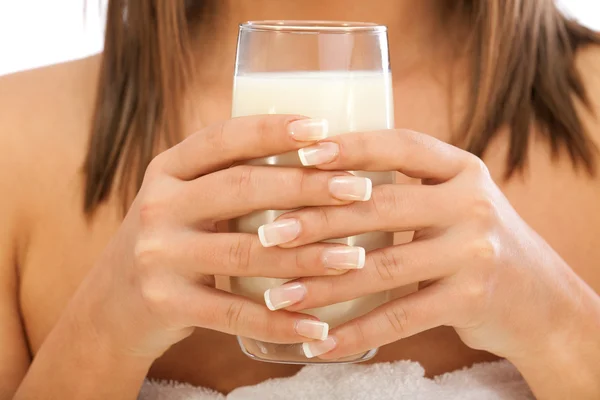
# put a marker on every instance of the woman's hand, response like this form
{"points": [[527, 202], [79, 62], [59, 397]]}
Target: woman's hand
{"points": [[155, 282], [484, 270]]}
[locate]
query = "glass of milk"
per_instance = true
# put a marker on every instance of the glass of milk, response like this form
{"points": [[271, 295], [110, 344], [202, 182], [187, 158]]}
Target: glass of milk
{"points": [[333, 70]]}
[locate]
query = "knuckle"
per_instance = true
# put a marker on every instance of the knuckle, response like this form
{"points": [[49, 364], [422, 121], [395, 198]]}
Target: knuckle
{"points": [[331, 291], [265, 128], [412, 140], [358, 335], [272, 329], [475, 165], [265, 132], [323, 215], [361, 145], [233, 316], [475, 294], [384, 200], [154, 168], [300, 178], [243, 180], [240, 253], [154, 293], [483, 209], [386, 265], [316, 221], [215, 138], [362, 142], [293, 182], [150, 211], [298, 263], [484, 250], [397, 318], [148, 253]]}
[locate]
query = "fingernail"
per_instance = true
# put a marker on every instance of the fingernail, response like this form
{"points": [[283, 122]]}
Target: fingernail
{"points": [[278, 232], [346, 257], [284, 295], [307, 130], [312, 329], [321, 153], [317, 348], [352, 188]]}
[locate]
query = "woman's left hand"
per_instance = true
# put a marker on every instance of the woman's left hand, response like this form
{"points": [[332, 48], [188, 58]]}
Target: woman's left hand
{"points": [[486, 272]]}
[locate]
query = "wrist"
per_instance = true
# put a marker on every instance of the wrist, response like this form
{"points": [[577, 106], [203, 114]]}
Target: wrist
{"points": [[76, 361], [108, 336], [564, 363], [566, 370], [107, 314]]}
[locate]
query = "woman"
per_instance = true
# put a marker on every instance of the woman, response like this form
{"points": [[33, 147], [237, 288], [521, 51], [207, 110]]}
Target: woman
{"points": [[95, 299]]}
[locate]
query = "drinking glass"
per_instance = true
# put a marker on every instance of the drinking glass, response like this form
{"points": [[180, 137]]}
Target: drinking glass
{"points": [[336, 71]]}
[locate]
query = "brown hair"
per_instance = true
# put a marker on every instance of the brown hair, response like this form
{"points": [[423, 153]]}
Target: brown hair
{"points": [[523, 74], [145, 65]]}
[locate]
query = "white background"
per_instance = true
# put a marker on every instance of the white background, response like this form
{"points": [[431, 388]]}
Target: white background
{"points": [[34, 33]]}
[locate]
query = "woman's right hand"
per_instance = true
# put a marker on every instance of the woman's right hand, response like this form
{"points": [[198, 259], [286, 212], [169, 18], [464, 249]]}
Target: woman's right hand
{"points": [[154, 283]]}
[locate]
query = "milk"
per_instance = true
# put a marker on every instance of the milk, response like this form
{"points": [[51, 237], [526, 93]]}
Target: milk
{"points": [[351, 102]]}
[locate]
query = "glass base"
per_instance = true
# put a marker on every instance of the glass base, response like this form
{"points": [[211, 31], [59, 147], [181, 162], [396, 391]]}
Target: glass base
{"points": [[292, 353]]}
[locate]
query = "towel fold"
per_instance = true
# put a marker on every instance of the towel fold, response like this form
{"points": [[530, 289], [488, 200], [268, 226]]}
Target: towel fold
{"points": [[395, 381]]}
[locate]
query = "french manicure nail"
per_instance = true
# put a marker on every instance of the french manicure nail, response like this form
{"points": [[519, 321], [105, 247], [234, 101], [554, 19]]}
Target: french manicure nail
{"points": [[312, 329], [308, 130], [279, 232], [344, 257], [352, 188], [317, 348], [284, 295], [321, 153]]}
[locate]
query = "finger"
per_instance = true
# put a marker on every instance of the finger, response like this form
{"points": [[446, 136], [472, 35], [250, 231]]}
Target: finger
{"points": [[414, 154], [223, 144], [225, 312], [386, 269], [243, 189], [399, 319], [242, 254], [395, 208]]}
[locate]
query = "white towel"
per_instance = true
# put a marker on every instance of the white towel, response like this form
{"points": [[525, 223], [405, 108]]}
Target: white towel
{"points": [[395, 381]]}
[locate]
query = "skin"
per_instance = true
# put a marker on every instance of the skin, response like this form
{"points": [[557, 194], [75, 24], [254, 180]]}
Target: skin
{"points": [[87, 294]]}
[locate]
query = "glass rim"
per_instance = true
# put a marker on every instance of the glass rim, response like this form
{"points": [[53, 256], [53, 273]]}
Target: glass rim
{"points": [[312, 26]]}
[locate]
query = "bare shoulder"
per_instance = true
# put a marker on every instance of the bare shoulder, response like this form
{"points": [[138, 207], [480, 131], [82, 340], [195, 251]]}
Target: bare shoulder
{"points": [[41, 103], [45, 116], [44, 119]]}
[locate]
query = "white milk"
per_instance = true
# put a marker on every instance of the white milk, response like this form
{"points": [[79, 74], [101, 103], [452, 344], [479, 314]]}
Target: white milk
{"points": [[350, 101]]}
